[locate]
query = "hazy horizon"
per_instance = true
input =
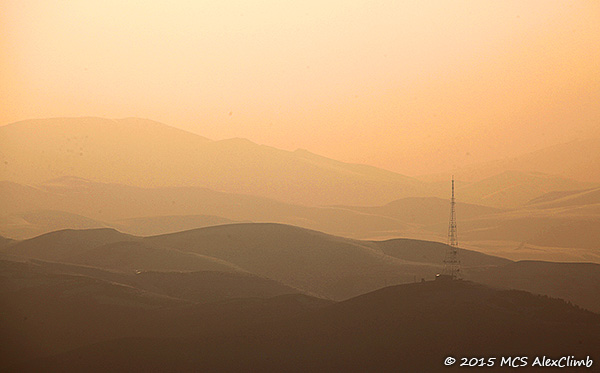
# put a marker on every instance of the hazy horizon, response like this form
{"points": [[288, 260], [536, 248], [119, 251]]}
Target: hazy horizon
{"points": [[411, 87], [283, 186]]}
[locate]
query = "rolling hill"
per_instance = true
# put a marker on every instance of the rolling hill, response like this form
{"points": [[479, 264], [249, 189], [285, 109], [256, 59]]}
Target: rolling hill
{"points": [[109, 249], [154, 225], [314, 262], [575, 282], [29, 224], [411, 327], [152, 210], [307, 261], [61, 245], [47, 308], [558, 226]]}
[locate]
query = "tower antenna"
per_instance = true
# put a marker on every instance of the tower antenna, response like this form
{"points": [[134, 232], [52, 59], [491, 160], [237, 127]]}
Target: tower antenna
{"points": [[451, 261]]}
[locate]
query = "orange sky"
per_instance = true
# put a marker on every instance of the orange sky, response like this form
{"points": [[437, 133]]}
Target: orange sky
{"points": [[411, 86]]}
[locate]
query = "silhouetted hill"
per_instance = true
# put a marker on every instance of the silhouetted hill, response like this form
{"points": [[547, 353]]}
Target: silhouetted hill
{"points": [[130, 256], [312, 261], [196, 287], [146, 153], [566, 233], [210, 286], [110, 249], [45, 311], [48, 312], [410, 327], [575, 282]]}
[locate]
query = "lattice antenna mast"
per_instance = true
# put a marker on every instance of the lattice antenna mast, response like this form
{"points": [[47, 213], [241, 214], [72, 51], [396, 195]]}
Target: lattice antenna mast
{"points": [[451, 262]]}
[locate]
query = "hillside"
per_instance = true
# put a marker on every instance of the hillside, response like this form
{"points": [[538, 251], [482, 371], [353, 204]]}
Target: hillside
{"points": [[154, 225], [134, 256], [152, 210], [424, 210], [576, 160], [402, 328], [434, 252], [109, 249], [75, 309], [567, 199], [33, 223], [309, 261], [510, 189], [329, 266], [64, 244], [314, 262], [144, 153], [575, 282]]}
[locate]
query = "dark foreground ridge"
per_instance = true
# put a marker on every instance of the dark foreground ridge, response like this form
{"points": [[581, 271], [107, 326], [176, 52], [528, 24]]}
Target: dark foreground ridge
{"points": [[405, 328]]}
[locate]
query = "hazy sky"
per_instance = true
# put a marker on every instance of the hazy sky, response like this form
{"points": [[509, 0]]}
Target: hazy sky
{"points": [[412, 86]]}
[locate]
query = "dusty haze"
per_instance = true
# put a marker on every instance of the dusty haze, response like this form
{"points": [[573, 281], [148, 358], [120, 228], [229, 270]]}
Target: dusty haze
{"points": [[266, 185], [412, 87]]}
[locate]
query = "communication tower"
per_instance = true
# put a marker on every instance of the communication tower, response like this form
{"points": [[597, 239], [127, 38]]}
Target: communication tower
{"points": [[451, 261]]}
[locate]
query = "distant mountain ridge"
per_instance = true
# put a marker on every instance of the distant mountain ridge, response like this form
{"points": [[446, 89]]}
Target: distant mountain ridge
{"points": [[577, 160], [145, 153]]}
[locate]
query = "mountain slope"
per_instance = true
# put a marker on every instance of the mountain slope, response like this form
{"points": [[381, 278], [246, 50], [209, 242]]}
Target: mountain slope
{"points": [[146, 153], [575, 282], [110, 249], [567, 199], [403, 328], [63, 244], [434, 252], [48, 312], [34, 223], [154, 225], [515, 188], [330, 266], [113, 203], [48, 308], [135, 256], [577, 160], [424, 210], [315, 262], [312, 262]]}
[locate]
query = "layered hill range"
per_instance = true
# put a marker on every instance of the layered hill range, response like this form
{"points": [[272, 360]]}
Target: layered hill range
{"points": [[306, 261], [150, 154], [145, 178], [249, 296], [144, 153], [557, 226]]}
